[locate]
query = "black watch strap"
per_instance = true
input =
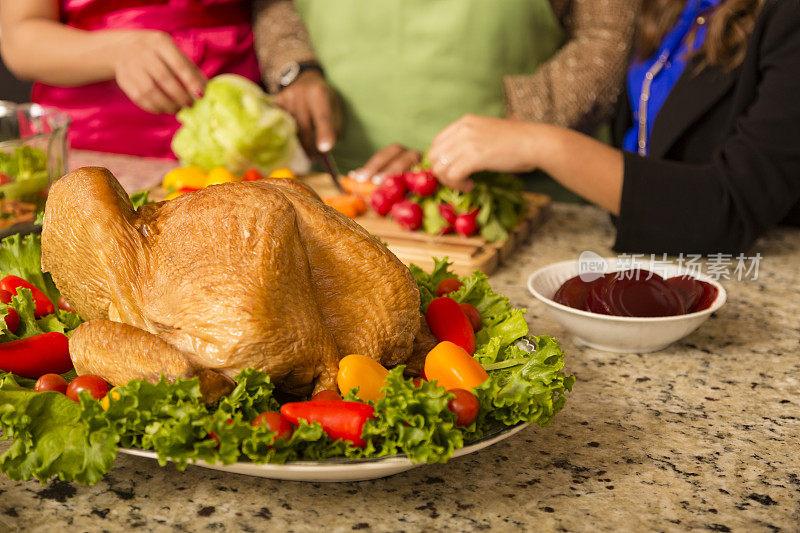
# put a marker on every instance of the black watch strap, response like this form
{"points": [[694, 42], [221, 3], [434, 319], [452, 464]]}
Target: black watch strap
{"points": [[293, 70]]}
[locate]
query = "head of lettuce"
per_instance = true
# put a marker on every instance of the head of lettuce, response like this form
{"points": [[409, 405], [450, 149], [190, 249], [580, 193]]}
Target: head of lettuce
{"points": [[235, 125]]}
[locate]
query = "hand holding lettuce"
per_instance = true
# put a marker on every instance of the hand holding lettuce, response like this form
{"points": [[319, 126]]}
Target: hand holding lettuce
{"points": [[235, 125]]}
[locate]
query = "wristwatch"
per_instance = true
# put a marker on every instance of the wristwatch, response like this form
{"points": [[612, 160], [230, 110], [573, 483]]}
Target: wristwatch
{"points": [[292, 71]]}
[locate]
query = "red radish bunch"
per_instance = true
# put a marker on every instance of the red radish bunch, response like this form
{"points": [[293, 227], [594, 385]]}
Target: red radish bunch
{"points": [[391, 190], [391, 197]]}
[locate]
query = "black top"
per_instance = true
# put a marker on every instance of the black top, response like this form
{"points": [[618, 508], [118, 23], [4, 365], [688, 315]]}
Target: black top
{"points": [[724, 163]]}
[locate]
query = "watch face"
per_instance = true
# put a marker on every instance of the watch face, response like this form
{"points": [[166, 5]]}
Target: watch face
{"points": [[290, 74]]}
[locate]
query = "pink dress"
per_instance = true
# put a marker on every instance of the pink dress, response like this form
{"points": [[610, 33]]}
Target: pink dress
{"points": [[215, 34]]}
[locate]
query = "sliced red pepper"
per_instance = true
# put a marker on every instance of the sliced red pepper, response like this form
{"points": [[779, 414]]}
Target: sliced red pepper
{"points": [[12, 318], [36, 356], [44, 306], [339, 419]]}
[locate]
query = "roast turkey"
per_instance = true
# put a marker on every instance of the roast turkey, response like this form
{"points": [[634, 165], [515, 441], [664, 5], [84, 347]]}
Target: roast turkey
{"points": [[246, 274]]}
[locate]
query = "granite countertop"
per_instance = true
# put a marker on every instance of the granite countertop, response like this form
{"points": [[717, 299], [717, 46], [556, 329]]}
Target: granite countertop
{"points": [[703, 435]]}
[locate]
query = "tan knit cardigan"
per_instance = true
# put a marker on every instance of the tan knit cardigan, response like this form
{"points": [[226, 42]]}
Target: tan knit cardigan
{"points": [[577, 87]]}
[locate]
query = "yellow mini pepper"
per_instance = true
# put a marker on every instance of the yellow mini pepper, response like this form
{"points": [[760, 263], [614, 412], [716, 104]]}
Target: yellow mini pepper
{"points": [[281, 173], [191, 177], [113, 394], [453, 367], [360, 371], [219, 175]]}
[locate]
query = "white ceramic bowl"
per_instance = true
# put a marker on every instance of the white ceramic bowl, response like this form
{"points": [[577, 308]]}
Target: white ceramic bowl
{"points": [[617, 333]]}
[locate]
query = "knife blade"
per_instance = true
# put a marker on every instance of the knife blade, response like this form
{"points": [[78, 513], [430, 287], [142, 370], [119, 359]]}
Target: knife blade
{"points": [[330, 166]]}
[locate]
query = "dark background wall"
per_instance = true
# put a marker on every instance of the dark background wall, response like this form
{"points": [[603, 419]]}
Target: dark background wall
{"points": [[11, 88]]}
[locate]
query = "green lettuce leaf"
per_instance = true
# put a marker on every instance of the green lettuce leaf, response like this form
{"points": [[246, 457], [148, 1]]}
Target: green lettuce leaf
{"points": [[432, 221], [413, 420], [22, 256], [138, 199], [50, 438], [60, 321], [428, 283], [252, 395], [524, 386]]}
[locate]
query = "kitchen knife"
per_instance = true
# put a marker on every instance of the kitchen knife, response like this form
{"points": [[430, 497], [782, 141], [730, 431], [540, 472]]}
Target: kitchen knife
{"points": [[330, 166]]}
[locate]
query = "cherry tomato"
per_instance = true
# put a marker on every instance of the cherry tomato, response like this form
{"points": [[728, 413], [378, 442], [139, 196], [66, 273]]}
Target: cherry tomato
{"points": [[51, 382], [448, 285], [326, 394], [276, 422], [473, 315], [417, 382], [213, 436], [465, 406], [64, 305], [5, 178], [96, 386], [449, 323]]}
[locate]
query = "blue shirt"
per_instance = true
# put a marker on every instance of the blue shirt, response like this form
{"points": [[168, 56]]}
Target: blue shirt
{"points": [[675, 47]]}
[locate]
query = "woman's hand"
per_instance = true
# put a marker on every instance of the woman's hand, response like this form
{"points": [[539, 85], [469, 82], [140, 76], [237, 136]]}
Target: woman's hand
{"points": [[315, 107], [474, 143], [154, 73], [394, 159]]}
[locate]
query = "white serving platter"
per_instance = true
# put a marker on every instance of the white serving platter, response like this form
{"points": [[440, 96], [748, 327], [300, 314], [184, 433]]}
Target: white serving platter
{"points": [[339, 470]]}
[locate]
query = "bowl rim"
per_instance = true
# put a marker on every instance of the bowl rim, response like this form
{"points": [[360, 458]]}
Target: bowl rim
{"points": [[719, 301], [64, 120]]}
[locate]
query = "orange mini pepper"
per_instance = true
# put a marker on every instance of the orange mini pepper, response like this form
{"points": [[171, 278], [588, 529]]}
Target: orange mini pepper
{"points": [[453, 367], [360, 371]]}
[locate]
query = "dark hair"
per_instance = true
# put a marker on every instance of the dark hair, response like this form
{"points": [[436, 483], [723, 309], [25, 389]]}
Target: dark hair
{"points": [[729, 26]]}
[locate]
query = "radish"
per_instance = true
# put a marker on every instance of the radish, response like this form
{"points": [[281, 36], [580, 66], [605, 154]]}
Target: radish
{"points": [[380, 202], [466, 225], [395, 187], [423, 183], [448, 213], [407, 214]]}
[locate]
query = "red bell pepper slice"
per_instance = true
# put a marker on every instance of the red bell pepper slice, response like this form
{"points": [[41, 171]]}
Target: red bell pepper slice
{"points": [[36, 356], [339, 419]]}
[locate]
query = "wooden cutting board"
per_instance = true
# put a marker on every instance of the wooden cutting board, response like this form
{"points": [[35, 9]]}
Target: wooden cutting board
{"points": [[466, 253]]}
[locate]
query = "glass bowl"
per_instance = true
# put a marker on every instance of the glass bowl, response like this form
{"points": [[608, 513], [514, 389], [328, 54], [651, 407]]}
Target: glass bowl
{"points": [[33, 153]]}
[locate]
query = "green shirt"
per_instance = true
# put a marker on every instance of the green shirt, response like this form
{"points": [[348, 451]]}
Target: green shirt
{"points": [[405, 69]]}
